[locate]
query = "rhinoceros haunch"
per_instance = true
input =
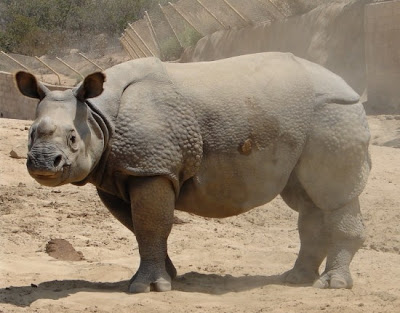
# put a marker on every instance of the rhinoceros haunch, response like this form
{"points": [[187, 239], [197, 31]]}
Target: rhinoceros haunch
{"points": [[215, 139]]}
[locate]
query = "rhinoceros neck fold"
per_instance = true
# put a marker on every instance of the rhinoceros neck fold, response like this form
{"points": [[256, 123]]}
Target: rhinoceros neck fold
{"points": [[103, 122], [102, 130]]}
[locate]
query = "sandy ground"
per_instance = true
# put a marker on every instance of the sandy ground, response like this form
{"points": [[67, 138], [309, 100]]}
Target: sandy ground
{"points": [[229, 265]]}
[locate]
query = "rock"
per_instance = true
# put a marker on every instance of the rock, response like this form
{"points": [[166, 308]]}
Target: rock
{"points": [[19, 152], [61, 249]]}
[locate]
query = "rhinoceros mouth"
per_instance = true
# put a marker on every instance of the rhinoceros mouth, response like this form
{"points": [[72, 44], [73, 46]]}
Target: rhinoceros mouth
{"points": [[47, 176], [52, 179], [41, 176]]}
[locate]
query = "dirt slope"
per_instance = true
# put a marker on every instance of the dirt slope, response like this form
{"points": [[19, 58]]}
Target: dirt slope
{"points": [[230, 265]]}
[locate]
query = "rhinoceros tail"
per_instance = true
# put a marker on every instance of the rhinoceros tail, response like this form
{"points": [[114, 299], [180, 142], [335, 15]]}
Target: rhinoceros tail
{"points": [[329, 87]]}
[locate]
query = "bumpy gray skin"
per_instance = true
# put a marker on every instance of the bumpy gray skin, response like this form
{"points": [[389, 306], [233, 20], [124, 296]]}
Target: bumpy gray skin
{"points": [[215, 139]]}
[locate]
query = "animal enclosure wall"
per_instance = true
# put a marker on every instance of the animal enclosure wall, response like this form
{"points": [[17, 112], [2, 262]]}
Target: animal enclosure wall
{"points": [[304, 35], [166, 30], [12, 103], [382, 27]]}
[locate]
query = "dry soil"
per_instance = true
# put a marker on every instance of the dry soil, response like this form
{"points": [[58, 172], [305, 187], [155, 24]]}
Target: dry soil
{"points": [[229, 265]]}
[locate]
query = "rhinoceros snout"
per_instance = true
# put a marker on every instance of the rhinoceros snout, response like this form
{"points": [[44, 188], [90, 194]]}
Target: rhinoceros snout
{"points": [[45, 165]]}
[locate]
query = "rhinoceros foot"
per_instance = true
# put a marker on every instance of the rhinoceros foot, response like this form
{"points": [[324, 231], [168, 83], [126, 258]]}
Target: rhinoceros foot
{"points": [[147, 279], [335, 279], [160, 284], [299, 276], [151, 277]]}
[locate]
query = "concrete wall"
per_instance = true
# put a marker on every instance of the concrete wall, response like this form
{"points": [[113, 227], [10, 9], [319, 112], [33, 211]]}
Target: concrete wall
{"points": [[357, 40], [331, 35], [13, 104], [382, 27]]}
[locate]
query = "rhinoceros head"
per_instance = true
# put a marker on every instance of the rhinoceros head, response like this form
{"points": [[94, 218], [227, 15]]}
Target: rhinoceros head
{"points": [[62, 147]]}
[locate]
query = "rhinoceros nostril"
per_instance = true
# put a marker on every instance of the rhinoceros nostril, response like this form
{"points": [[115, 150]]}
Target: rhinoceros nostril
{"points": [[29, 159], [57, 160]]}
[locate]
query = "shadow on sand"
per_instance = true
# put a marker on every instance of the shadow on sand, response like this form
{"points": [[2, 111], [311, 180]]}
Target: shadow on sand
{"points": [[24, 296]]}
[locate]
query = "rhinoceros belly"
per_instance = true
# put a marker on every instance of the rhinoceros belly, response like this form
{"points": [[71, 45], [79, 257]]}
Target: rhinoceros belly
{"points": [[230, 184]]}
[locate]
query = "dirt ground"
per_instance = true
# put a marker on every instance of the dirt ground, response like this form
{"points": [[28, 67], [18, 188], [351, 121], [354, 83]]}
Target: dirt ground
{"points": [[229, 265]]}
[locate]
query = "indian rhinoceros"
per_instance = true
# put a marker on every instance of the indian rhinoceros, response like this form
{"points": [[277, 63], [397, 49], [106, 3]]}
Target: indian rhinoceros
{"points": [[214, 139]]}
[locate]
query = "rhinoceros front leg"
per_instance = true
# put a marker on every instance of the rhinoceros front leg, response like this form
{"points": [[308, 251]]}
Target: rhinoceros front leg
{"points": [[121, 210], [152, 209], [346, 234]]}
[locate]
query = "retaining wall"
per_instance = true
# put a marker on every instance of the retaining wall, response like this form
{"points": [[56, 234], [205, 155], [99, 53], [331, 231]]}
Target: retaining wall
{"points": [[382, 50], [13, 104], [355, 39], [331, 35]]}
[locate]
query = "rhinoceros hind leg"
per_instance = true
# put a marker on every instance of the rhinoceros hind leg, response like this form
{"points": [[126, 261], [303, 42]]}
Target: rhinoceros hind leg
{"points": [[346, 230], [313, 238], [333, 170]]}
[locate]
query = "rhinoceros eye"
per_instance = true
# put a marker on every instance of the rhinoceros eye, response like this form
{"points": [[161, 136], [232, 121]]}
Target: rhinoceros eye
{"points": [[72, 140]]}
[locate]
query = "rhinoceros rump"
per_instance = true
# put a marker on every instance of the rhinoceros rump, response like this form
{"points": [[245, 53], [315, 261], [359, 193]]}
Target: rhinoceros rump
{"points": [[215, 139]]}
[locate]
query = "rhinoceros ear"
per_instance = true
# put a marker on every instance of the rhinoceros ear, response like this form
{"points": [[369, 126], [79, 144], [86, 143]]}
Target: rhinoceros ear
{"points": [[91, 87], [29, 86]]}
